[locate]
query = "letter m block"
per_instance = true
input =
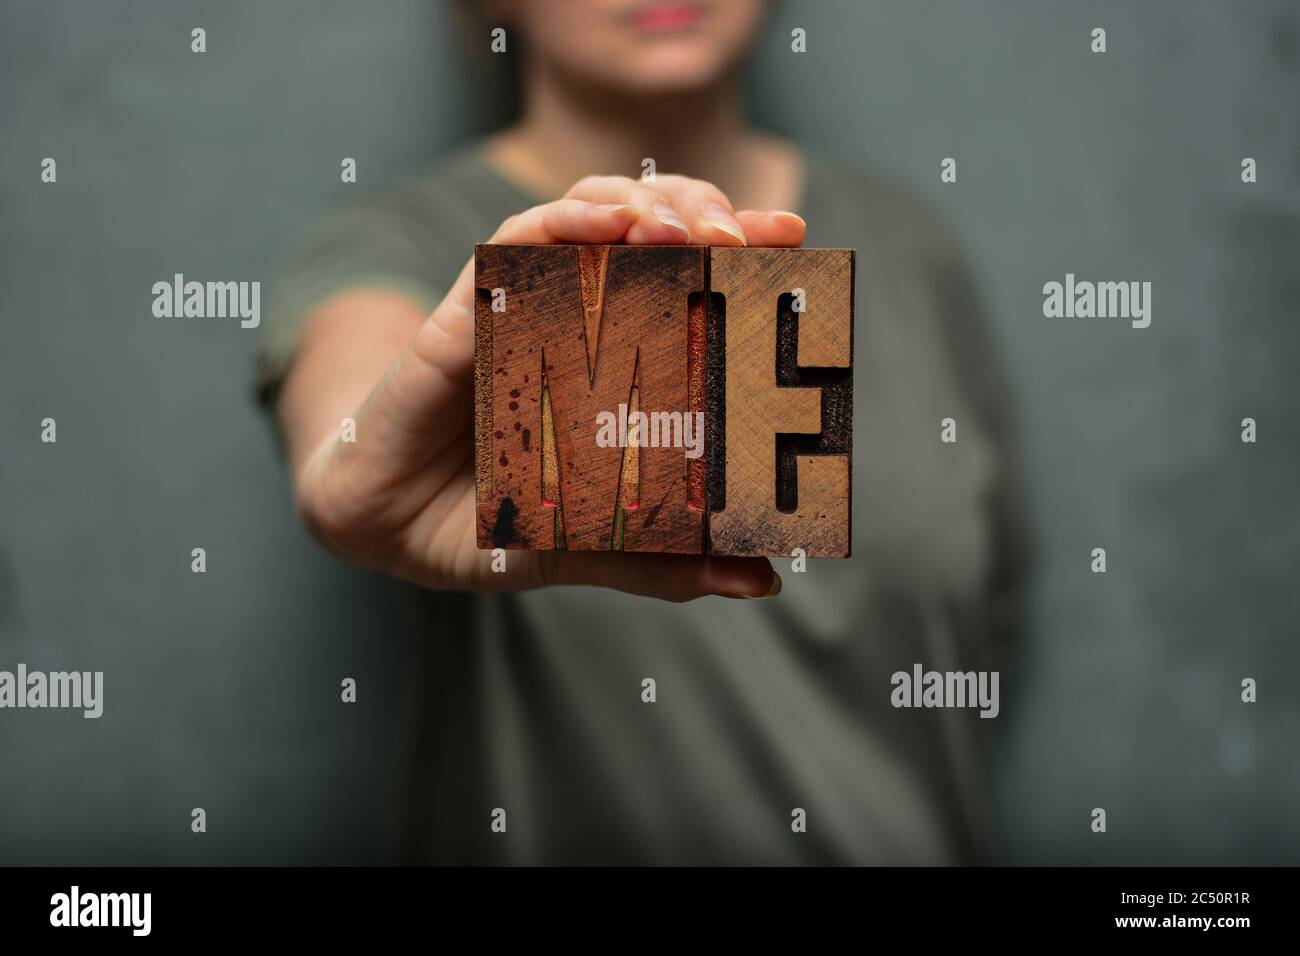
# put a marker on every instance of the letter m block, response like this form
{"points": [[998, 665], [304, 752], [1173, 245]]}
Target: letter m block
{"points": [[563, 336]]}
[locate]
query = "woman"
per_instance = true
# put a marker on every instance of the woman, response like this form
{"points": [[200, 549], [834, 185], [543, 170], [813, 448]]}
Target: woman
{"points": [[769, 736]]}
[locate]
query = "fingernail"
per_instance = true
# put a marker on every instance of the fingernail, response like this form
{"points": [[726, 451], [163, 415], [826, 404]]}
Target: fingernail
{"points": [[615, 206], [773, 591], [668, 216], [719, 218], [788, 214]]}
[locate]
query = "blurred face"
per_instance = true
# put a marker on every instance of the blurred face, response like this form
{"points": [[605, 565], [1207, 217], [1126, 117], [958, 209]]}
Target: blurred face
{"points": [[638, 46]]}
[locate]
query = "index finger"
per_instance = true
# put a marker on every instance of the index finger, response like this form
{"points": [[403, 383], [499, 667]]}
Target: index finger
{"points": [[564, 220]]}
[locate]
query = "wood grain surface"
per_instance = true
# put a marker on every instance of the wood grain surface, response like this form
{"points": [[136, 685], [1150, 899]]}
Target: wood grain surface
{"points": [[593, 326], [566, 334], [787, 403]]}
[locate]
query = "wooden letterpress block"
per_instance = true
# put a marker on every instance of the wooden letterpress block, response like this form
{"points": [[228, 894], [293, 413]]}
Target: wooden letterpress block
{"points": [[781, 419], [568, 337], [655, 341]]}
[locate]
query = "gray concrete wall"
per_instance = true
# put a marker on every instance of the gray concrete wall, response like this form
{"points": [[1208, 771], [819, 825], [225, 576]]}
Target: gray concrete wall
{"points": [[1124, 165]]}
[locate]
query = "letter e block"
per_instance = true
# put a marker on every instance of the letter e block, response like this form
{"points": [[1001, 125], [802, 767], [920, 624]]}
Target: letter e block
{"points": [[782, 429]]}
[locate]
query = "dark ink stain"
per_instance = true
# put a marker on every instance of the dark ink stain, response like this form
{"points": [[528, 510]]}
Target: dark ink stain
{"points": [[504, 460], [503, 532], [514, 393], [528, 440], [499, 434], [518, 426], [513, 406], [652, 513]]}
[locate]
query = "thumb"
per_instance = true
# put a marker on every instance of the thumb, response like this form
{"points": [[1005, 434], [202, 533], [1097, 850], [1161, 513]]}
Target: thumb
{"points": [[423, 401]]}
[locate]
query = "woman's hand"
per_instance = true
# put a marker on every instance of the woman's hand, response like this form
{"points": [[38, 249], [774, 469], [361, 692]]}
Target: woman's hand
{"points": [[400, 498]]}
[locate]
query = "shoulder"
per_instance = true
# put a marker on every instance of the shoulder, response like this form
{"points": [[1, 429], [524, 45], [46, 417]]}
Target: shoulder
{"points": [[906, 243], [879, 209], [452, 198], [423, 224]]}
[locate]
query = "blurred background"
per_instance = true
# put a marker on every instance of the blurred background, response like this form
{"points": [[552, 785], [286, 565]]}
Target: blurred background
{"points": [[222, 688]]}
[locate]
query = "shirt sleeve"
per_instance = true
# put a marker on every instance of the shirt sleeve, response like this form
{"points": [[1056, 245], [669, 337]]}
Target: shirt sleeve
{"points": [[377, 242]]}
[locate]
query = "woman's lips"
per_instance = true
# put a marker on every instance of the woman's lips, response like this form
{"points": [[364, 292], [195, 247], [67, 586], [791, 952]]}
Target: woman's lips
{"points": [[666, 18]]}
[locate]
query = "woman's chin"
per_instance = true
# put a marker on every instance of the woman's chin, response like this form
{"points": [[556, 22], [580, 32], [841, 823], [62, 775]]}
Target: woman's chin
{"points": [[666, 76]]}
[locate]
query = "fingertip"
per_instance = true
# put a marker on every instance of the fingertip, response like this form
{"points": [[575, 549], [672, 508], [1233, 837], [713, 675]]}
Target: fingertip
{"points": [[644, 233], [787, 214], [587, 222], [742, 578], [773, 228], [773, 589], [660, 225], [719, 227], [620, 210], [719, 234]]}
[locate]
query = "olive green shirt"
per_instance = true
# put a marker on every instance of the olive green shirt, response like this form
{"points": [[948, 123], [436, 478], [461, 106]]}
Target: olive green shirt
{"points": [[763, 708]]}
